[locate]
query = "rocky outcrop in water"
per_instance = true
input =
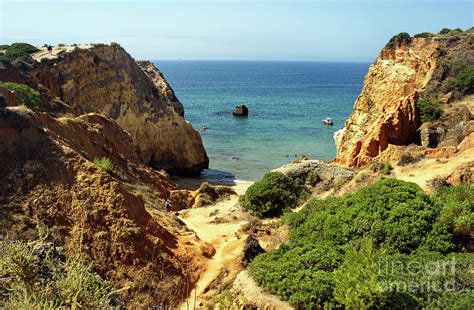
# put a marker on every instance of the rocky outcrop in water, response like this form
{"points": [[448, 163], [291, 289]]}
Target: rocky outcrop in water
{"points": [[241, 110]]}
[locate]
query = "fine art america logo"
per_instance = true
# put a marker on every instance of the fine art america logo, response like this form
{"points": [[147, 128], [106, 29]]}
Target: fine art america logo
{"points": [[429, 276]]}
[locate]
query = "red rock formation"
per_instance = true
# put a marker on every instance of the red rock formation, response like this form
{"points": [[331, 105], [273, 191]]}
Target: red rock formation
{"points": [[385, 111]]}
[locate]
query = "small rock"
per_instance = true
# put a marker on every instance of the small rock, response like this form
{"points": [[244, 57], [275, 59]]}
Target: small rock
{"points": [[251, 249], [241, 110]]}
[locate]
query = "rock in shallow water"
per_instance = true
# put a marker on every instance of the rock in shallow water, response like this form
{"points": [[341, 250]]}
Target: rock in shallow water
{"points": [[241, 110]]}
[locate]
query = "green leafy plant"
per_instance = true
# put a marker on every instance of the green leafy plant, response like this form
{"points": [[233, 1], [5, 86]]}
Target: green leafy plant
{"points": [[356, 279], [387, 168], [445, 31], [402, 37], [466, 79], [103, 163], [24, 94], [342, 251], [457, 213], [228, 301], [423, 35], [429, 110], [37, 276], [273, 194], [19, 50]]}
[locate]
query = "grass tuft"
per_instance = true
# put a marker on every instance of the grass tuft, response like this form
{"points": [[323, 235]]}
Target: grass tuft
{"points": [[103, 163]]}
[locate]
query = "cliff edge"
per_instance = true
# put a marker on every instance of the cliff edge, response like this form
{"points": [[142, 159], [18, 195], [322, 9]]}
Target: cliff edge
{"points": [[406, 70], [105, 79]]}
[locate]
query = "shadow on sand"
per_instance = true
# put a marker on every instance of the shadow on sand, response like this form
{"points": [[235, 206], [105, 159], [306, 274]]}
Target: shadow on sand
{"points": [[215, 177]]}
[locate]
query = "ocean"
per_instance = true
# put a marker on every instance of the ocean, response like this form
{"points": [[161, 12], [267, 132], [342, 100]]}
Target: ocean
{"points": [[287, 103]]}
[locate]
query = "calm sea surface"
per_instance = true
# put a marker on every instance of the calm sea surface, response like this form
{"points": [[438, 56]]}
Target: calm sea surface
{"points": [[287, 103]]}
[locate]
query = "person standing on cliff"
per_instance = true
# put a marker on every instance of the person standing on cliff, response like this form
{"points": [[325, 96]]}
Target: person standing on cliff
{"points": [[50, 49], [167, 205]]}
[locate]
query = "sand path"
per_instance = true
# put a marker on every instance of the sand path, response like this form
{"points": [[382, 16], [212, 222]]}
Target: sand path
{"points": [[428, 169], [222, 236], [44, 54]]}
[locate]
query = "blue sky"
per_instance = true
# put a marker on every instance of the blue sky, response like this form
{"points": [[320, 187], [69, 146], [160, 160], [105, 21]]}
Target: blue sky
{"points": [[271, 30]]}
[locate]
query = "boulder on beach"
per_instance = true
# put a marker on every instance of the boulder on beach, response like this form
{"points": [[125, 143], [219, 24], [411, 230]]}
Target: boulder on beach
{"points": [[241, 110]]}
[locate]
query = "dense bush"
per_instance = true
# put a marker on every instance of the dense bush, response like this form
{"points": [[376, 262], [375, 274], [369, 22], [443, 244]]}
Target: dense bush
{"points": [[423, 35], [466, 79], [445, 31], [24, 94], [19, 50], [429, 110], [37, 276], [273, 194], [345, 251], [457, 214], [398, 39]]}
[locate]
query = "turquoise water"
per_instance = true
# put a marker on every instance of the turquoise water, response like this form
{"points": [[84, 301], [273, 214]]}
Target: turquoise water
{"points": [[287, 102]]}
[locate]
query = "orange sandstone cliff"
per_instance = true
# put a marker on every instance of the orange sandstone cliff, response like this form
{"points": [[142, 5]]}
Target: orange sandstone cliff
{"points": [[97, 102], [107, 80], [386, 112]]}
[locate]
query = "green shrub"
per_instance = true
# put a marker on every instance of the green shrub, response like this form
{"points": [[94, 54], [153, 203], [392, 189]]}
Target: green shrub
{"points": [[344, 252], [387, 168], [103, 163], [466, 79], [423, 35], [429, 110], [457, 214], [37, 276], [445, 31], [19, 50], [402, 37], [24, 94], [356, 279], [273, 194]]}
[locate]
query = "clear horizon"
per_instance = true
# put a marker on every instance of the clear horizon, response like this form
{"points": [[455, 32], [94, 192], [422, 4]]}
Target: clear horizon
{"points": [[280, 30]]}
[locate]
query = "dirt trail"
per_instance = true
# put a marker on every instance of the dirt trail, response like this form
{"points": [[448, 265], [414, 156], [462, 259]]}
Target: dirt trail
{"points": [[431, 168], [217, 225], [44, 54]]}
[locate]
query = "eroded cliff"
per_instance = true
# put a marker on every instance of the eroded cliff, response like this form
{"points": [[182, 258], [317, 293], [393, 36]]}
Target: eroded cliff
{"points": [[91, 103], [107, 80], [47, 178], [386, 110]]}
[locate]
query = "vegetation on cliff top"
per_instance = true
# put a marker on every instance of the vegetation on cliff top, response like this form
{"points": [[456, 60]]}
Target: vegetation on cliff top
{"points": [[401, 38], [18, 50], [24, 94], [356, 251], [273, 194]]}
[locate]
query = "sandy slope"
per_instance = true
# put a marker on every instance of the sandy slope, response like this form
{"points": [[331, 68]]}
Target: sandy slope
{"points": [[222, 236], [429, 169]]}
